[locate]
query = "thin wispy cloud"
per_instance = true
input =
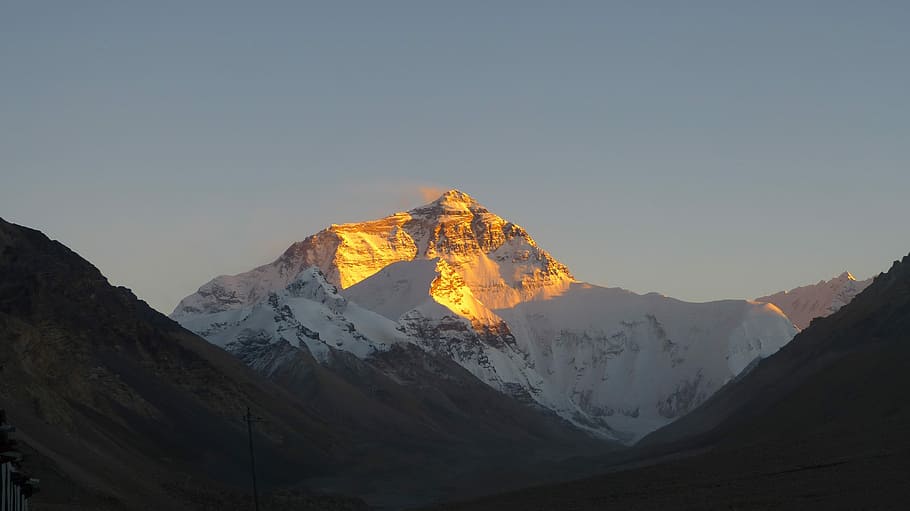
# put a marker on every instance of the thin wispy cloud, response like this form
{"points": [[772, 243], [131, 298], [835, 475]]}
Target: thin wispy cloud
{"points": [[410, 195], [430, 193]]}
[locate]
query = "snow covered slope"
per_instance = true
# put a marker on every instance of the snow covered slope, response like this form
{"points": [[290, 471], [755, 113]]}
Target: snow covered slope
{"points": [[461, 282], [806, 303], [609, 360], [309, 314], [612, 360]]}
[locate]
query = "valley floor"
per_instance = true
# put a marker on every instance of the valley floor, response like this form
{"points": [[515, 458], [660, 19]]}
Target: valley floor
{"points": [[872, 481]]}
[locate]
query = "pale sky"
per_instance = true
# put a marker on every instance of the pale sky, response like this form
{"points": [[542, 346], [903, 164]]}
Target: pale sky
{"points": [[704, 150]]}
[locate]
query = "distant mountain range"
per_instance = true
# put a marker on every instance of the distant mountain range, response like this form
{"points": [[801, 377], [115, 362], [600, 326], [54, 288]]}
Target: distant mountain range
{"points": [[464, 284]]}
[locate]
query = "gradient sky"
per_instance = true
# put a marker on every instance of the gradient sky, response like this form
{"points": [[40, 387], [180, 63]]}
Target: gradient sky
{"points": [[705, 150]]}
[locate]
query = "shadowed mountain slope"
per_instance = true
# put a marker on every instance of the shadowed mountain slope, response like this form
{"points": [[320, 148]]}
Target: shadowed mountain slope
{"points": [[119, 399]]}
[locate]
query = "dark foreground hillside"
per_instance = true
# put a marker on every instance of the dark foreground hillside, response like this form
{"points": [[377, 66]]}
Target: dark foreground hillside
{"points": [[119, 407], [822, 424]]}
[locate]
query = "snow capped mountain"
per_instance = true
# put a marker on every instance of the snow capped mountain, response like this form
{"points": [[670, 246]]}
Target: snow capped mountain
{"points": [[497, 259], [803, 304], [462, 283]]}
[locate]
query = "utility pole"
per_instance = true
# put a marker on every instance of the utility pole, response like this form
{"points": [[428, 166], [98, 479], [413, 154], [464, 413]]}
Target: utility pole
{"points": [[249, 419]]}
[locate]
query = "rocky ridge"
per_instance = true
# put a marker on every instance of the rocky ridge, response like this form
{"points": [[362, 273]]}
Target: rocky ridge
{"points": [[805, 303]]}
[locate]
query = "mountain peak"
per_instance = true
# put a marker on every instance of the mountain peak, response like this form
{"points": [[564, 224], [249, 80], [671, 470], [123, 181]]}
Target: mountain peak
{"points": [[805, 303], [846, 276], [452, 201], [454, 196]]}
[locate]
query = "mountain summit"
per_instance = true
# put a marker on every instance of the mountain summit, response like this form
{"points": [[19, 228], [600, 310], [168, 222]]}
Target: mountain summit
{"points": [[454, 199]]}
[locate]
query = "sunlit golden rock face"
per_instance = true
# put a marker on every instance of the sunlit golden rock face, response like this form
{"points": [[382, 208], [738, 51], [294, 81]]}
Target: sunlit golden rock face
{"points": [[485, 263], [349, 253], [449, 289], [497, 261]]}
